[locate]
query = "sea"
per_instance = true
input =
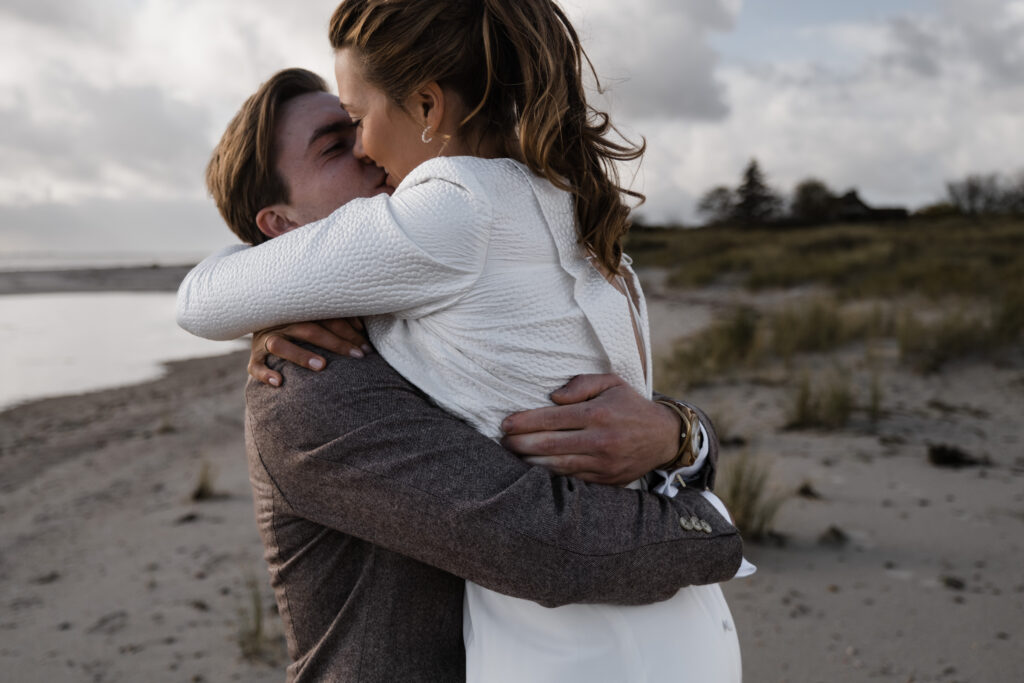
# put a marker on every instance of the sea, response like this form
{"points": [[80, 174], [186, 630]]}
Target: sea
{"points": [[75, 342]]}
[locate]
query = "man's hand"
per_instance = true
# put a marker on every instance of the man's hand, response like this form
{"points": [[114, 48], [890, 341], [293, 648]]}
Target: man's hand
{"points": [[600, 431], [344, 336]]}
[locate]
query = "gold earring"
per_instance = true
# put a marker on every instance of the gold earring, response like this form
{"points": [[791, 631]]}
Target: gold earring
{"points": [[426, 140]]}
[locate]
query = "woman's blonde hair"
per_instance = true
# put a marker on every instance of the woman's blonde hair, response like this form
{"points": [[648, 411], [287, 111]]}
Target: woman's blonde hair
{"points": [[518, 66]]}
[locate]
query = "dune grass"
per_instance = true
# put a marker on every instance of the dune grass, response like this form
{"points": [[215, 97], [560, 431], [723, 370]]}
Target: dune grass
{"points": [[727, 344], [823, 402], [933, 257], [745, 488]]}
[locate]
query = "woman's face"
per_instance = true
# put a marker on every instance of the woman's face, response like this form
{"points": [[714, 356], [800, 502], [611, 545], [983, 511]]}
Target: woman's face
{"points": [[385, 133]]}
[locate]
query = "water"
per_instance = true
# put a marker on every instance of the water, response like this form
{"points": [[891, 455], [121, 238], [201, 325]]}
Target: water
{"points": [[49, 260], [73, 343]]}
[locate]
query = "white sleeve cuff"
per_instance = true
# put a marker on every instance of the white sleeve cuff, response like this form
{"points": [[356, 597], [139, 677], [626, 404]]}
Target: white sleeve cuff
{"points": [[670, 487]]}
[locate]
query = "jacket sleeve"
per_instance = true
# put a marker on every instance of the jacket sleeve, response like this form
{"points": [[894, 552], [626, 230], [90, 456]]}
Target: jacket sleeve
{"points": [[407, 254], [357, 449]]}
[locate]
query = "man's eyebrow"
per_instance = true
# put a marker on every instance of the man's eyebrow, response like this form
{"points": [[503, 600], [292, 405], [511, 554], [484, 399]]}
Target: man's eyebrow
{"points": [[329, 129]]}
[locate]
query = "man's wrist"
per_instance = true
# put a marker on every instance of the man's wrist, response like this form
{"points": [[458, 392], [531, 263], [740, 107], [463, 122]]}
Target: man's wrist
{"points": [[688, 447]]}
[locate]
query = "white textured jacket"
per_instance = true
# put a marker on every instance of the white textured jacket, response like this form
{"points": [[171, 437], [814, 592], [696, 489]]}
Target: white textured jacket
{"points": [[480, 293]]}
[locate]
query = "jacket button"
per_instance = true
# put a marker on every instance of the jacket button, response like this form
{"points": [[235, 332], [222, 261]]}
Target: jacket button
{"points": [[705, 526], [686, 523]]}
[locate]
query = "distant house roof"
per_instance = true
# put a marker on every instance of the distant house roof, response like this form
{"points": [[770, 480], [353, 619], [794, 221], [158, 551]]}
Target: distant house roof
{"points": [[850, 207]]}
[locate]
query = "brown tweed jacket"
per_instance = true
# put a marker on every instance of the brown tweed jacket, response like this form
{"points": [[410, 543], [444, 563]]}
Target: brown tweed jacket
{"points": [[374, 505]]}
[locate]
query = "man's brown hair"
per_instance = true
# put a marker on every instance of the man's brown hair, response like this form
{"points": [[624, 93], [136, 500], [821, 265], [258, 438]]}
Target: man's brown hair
{"points": [[242, 176]]}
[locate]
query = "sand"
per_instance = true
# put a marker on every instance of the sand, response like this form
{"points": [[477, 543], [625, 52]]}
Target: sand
{"points": [[109, 571]]}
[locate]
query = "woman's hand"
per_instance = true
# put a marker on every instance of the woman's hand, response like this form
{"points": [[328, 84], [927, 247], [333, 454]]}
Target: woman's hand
{"points": [[344, 336], [600, 431]]}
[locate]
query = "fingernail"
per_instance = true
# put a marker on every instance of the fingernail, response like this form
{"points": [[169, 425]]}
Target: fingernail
{"points": [[367, 348], [316, 364], [275, 381], [355, 353]]}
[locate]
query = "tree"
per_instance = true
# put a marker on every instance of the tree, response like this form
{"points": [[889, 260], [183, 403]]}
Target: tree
{"points": [[756, 203], [976, 194], [813, 202], [1013, 195], [718, 204]]}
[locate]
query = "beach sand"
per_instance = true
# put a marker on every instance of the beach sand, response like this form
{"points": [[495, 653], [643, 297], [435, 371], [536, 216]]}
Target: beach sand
{"points": [[900, 571]]}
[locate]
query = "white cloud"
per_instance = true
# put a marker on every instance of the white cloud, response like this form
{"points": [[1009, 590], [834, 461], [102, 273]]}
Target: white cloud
{"points": [[656, 55], [926, 98]]}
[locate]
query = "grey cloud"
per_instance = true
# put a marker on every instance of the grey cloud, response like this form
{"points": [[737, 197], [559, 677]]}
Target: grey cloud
{"points": [[663, 52], [135, 128], [918, 49], [127, 226], [979, 33], [99, 22]]}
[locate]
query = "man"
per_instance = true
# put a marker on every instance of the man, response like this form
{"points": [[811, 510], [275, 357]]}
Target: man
{"points": [[375, 506]]}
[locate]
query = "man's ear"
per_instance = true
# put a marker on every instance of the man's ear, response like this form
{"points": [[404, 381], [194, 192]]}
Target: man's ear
{"points": [[273, 221]]}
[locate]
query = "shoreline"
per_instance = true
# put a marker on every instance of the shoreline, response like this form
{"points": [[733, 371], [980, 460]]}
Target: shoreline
{"points": [[153, 278]]}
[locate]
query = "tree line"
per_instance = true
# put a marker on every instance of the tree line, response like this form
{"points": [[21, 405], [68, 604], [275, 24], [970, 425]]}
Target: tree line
{"points": [[754, 203]]}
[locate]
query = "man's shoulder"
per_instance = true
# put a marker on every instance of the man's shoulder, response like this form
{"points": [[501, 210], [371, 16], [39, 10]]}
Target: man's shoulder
{"points": [[346, 393]]}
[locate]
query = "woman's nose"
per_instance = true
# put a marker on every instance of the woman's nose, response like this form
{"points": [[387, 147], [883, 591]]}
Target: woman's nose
{"points": [[357, 150]]}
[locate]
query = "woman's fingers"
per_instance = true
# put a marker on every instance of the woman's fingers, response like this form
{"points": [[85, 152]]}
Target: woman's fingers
{"points": [[262, 373], [293, 353], [258, 361]]}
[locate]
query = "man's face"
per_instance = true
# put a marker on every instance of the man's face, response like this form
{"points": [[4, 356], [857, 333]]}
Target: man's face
{"points": [[315, 138]]}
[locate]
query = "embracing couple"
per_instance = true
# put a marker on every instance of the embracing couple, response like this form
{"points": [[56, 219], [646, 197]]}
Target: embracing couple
{"points": [[498, 495]]}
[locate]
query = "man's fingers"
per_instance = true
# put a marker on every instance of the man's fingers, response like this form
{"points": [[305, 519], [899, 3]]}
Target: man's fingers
{"points": [[282, 348], [584, 387], [560, 443], [548, 419]]}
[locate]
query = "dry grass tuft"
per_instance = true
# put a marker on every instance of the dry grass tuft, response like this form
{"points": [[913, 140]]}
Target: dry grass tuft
{"points": [[927, 346], [204, 489], [254, 642], [810, 326], [745, 491], [724, 346], [825, 403]]}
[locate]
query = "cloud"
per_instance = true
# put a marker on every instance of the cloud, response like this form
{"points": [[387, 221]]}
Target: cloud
{"points": [[108, 101], [915, 102], [104, 226], [121, 142], [656, 55]]}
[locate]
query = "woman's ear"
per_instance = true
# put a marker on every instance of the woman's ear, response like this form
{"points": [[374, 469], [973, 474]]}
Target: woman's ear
{"points": [[429, 105], [273, 221]]}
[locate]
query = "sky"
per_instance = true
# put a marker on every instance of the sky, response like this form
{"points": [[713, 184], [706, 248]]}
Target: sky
{"points": [[109, 108]]}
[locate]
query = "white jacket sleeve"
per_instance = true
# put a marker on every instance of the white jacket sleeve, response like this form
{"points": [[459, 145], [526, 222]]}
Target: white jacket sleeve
{"points": [[407, 254]]}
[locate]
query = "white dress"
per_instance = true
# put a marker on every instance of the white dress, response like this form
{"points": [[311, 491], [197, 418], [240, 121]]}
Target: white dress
{"points": [[480, 295]]}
